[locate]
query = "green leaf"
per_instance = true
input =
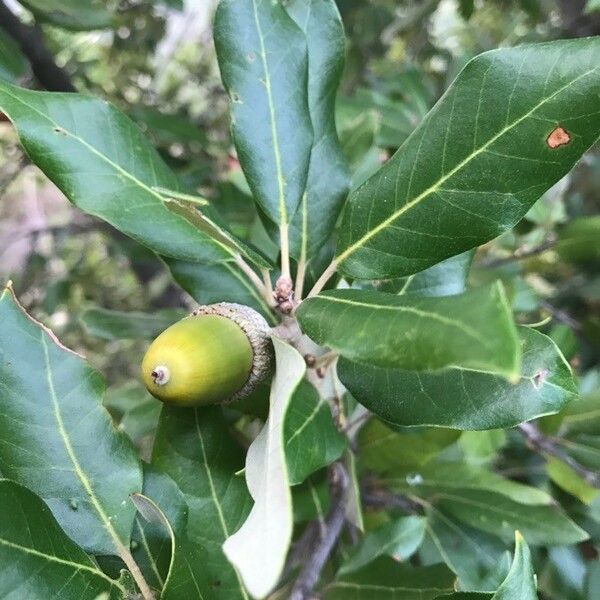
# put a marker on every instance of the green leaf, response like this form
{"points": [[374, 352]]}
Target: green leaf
{"points": [[38, 559], [436, 477], [474, 330], [478, 161], [152, 542], [465, 399], [579, 241], [222, 282], [328, 178], [591, 6], [58, 439], [520, 582], [447, 278], [466, 8], [208, 221], [123, 325], [312, 440], [498, 514], [386, 579], [567, 479], [71, 14], [264, 66], [194, 448], [186, 577], [399, 539], [470, 553], [13, 64], [258, 549], [385, 450], [103, 164]]}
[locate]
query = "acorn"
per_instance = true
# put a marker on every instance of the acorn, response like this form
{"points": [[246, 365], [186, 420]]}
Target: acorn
{"points": [[216, 355]]}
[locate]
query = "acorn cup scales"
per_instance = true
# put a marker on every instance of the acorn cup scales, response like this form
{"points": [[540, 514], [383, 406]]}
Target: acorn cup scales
{"points": [[216, 355]]}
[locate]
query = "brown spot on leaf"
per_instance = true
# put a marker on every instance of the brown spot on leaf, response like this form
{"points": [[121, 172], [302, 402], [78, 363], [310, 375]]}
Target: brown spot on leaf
{"points": [[539, 378], [558, 137]]}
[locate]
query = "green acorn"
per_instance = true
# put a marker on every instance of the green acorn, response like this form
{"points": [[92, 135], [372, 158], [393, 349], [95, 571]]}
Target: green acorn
{"points": [[216, 355]]}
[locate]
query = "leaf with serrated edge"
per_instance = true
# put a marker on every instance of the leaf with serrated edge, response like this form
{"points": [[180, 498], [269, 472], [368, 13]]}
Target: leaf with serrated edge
{"points": [[58, 439], [194, 447], [103, 164], [258, 549], [478, 161], [264, 67], [474, 330], [38, 559], [466, 399], [328, 177]]}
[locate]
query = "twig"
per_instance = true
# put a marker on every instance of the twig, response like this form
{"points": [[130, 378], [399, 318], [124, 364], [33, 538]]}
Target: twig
{"points": [[254, 279], [327, 274], [135, 571], [334, 523], [387, 500], [300, 275], [31, 42], [561, 315], [544, 445], [520, 254]]}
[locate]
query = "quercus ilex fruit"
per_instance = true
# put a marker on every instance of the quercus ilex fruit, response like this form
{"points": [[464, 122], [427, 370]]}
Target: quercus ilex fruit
{"points": [[216, 355]]}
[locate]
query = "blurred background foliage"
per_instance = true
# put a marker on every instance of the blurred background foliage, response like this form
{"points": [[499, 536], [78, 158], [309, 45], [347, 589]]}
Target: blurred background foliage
{"points": [[156, 62]]}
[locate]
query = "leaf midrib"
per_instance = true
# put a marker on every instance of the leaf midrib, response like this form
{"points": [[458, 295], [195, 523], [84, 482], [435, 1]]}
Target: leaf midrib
{"points": [[273, 121], [62, 561], [433, 188], [77, 469]]}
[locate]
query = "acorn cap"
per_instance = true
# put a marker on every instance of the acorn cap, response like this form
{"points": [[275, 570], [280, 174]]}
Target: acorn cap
{"points": [[218, 354]]}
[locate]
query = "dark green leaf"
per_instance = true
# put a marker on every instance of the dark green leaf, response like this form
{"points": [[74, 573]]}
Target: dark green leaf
{"points": [[58, 439], [222, 282], [474, 330], [328, 179], [71, 14], [122, 325], [312, 440], [264, 66], [259, 547], [38, 559], [399, 539], [498, 514], [103, 164], [466, 8], [447, 278], [386, 579], [194, 448], [465, 399], [478, 161]]}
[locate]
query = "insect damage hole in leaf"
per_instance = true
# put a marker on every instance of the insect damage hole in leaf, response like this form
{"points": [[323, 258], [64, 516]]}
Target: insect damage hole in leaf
{"points": [[558, 137], [539, 378]]}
